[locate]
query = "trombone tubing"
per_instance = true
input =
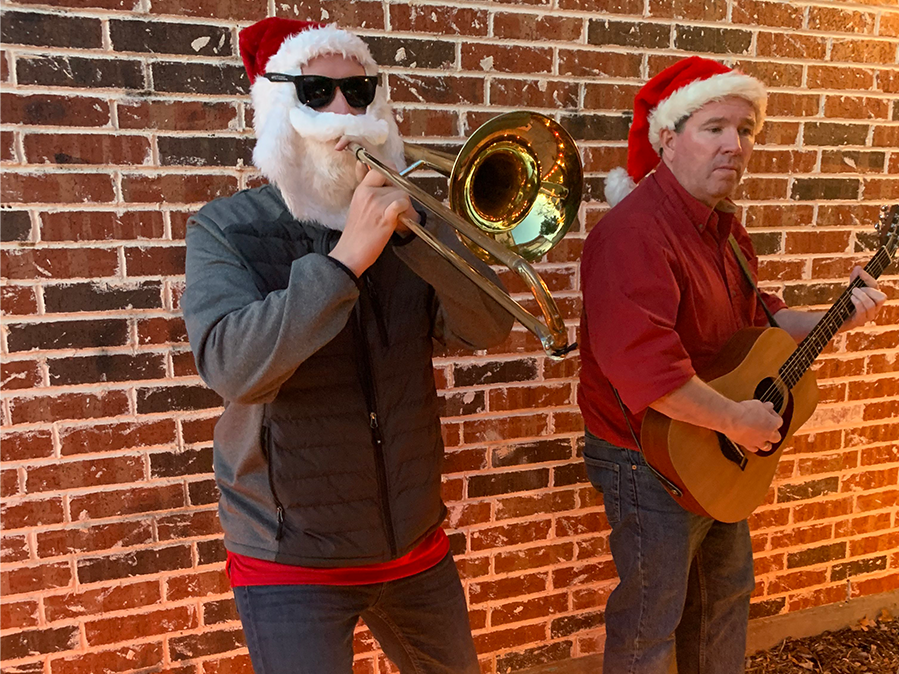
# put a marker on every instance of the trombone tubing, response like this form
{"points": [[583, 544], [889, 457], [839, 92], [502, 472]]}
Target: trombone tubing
{"points": [[552, 336]]}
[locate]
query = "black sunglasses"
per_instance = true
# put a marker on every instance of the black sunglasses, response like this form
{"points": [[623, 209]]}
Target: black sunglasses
{"points": [[317, 91]]}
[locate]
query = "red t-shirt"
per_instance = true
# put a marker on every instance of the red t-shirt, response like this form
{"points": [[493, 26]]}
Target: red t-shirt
{"points": [[244, 571], [663, 292]]}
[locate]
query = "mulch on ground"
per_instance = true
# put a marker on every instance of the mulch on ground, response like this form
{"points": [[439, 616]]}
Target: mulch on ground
{"points": [[870, 647]]}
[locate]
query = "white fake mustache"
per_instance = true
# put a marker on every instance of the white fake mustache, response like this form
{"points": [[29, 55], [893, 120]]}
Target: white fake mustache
{"points": [[326, 126]]}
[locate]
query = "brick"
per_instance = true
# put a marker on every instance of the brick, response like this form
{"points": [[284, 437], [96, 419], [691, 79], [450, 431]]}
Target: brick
{"points": [[887, 189], [233, 10], [516, 611], [93, 297], [703, 39], [196, 584], [124, 502], [199, 151], [462, 403], [628, 34], [711, 10], [208, 643], [584, 573], [573, 473], [765, 609], [784, 133], [863, 51], [81, 474], [182, 398], [134, 626], [596, 127], [57, 188], [57, 542], [856, 107], [431, 123], [416, 88], [762, 188], [101, 225], [817, 242], [582, 523], [80, 148], [502, 639], [188, 525], [875, 585], [791, 45], [59, 263], [27, 579], [177, 115], [125, 659], [155, 260], [495, 372], [20, 374], [51, 30], [130, 564], [55, 110], [543, 556], [9, 483], [26, 445], [160, 37], [847, 215], [506, 59], [83, 73], [811, 189], [239, 664], [510, 534], [760, 13], [832, 19], [873, 479], [405, 52], [833, 77], [810, 599], [527, 505], [885, 136], [505, 588], [39, 642], [826, 133], [807, 490], [177, 189], [116, 436], [782, 161], [536, 27], [530, 452], [582, 63], [16, 226], [221, 79], [436, 19], [161, 331], [203, 492], [211, 552], [818, 555], [68, 406], [16, 615], [849, 161], [174, 464], [534, 657], [102, 600], [14, 549], [793, 105]]}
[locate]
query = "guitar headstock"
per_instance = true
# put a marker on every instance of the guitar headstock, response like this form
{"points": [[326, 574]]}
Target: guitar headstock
{"points": [[888, 228]]}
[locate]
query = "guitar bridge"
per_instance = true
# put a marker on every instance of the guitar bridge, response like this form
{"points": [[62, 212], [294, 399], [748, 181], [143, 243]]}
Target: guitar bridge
{"points": [[732, 451]]}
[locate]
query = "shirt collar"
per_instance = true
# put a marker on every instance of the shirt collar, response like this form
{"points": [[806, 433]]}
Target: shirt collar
{"points": [[697, 212]]}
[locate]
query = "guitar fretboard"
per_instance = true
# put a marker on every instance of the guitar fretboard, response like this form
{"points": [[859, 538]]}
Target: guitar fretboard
{"points": [[803, 357]]}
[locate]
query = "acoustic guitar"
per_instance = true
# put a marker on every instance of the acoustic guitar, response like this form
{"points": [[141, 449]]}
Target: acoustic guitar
{"points": [[706, 472]]}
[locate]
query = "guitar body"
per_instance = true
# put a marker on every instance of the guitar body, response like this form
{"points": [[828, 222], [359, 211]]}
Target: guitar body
{"points": [[692, 458]]}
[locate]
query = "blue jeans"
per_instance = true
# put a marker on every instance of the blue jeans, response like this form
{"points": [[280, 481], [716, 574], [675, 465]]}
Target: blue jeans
{"points": [[684, 579], [421, 623]]}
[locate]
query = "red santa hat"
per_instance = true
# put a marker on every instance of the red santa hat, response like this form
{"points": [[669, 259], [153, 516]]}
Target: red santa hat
{"points": [[672, 95]]}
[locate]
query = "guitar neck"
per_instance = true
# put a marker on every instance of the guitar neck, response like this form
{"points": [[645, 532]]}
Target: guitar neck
{"points": [[810, 347]]}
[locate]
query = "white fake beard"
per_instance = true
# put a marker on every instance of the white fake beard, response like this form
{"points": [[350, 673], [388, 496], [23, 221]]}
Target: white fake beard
{"points": [[316, 181]]}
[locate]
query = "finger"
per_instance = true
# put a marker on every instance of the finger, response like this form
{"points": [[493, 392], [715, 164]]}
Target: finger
{"points": [[361, 171], [394, 211], [342, 143], [869, 280], [374, 179]]}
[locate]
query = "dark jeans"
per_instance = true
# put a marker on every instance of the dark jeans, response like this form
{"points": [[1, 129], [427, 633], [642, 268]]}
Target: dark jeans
{"points": [[684, 579], [421, 623]]}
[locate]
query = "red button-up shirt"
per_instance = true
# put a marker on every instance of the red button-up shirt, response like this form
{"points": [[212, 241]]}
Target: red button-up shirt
{"points": [[663, 292]]}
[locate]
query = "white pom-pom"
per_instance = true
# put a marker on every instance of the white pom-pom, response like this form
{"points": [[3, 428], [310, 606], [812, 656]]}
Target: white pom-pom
{"points": [[618, 185]]}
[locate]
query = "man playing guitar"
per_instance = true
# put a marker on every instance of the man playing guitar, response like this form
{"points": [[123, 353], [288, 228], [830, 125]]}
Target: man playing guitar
{"points": [[663, 293]]}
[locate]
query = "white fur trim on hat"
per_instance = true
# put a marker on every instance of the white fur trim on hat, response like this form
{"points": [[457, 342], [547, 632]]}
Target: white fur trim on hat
{"points": [[299, 49], [687, 100], [618, 185]]}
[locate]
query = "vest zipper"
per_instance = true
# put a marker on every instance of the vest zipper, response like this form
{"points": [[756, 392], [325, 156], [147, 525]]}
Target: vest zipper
{"points": [[279, 509], [365, 371]]}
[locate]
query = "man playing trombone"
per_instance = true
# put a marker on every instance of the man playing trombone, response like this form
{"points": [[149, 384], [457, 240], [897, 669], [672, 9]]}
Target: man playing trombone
{"points": [[311, 310]]}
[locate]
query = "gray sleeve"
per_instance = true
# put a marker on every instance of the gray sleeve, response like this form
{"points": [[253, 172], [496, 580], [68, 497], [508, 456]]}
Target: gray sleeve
{"points": [[465, 314], [245, 344]]}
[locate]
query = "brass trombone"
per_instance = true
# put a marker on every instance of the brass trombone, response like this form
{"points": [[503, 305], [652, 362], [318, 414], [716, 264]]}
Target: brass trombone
{"points": [[515, 188]]}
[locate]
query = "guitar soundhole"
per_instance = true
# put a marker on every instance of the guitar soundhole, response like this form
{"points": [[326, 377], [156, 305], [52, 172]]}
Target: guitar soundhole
{"points": [[768, 391]]}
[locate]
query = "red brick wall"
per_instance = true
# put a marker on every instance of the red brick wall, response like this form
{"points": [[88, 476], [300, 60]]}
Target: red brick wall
{"points": [[120, 118]]}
